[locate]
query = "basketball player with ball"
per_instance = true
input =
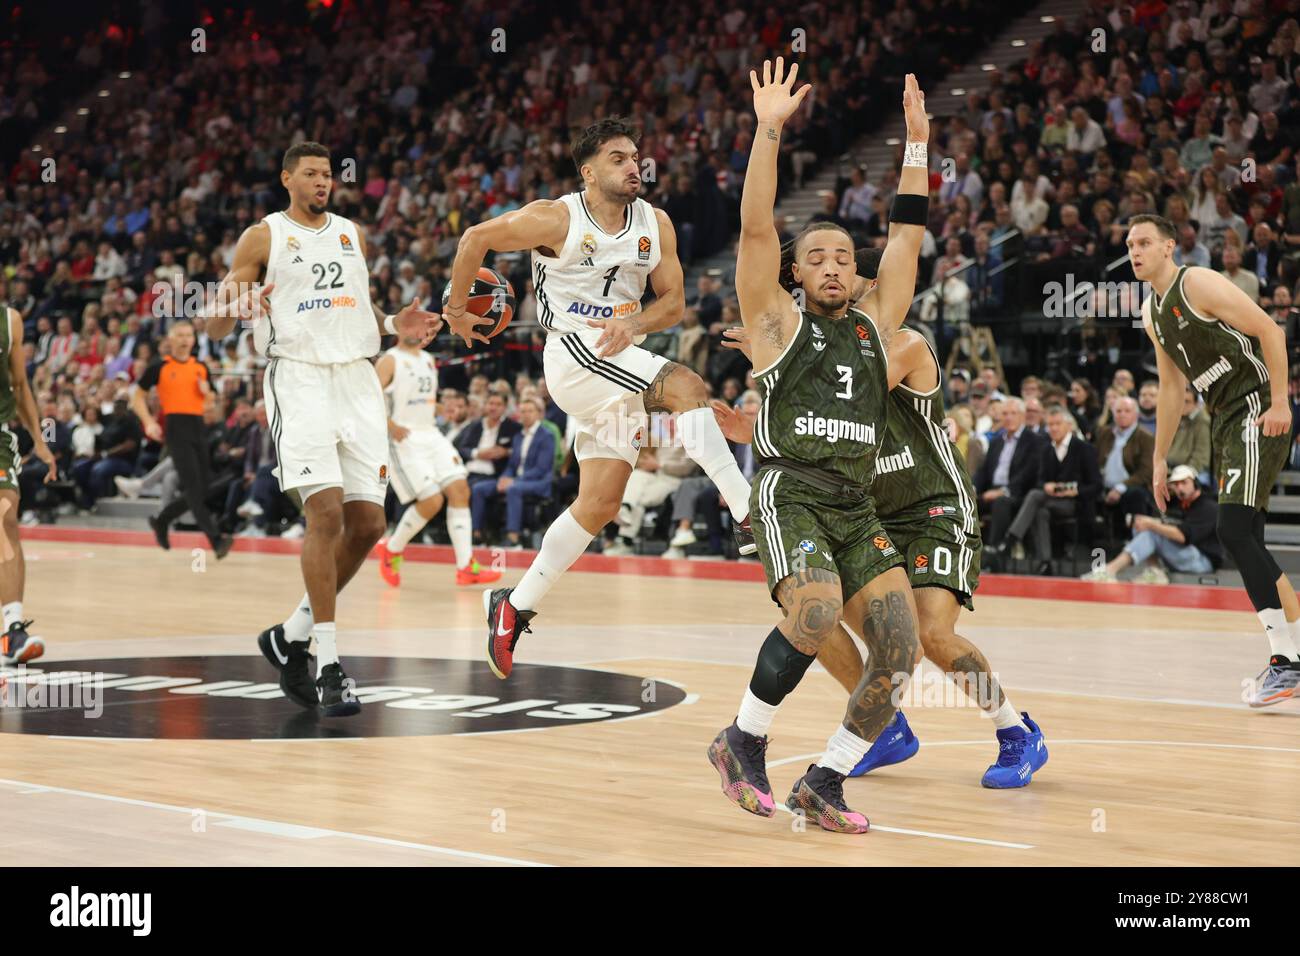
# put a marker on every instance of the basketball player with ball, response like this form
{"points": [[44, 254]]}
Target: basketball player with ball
{"points": [[593, 253], [314, 322]]}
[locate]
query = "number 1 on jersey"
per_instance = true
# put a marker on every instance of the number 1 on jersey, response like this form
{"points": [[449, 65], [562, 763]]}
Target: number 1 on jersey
{"points": [[609, 279], [846, 376]]}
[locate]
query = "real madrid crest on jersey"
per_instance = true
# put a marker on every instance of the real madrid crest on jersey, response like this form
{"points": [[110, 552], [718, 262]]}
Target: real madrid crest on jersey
{"points": [[293, 244], [588, 244]]}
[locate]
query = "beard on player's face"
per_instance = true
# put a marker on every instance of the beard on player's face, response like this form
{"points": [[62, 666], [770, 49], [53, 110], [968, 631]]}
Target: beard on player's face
{"points": [[617, 187]]}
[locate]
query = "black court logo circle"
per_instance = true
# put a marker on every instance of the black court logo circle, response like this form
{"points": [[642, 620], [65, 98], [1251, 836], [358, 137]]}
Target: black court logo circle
{"points": [[239, 698]]}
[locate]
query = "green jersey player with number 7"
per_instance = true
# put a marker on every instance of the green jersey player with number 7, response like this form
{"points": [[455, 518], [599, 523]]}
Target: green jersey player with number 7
{"points": [[1210, 333]]}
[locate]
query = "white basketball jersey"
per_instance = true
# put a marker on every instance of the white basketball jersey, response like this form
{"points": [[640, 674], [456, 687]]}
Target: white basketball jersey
{"points": [[596, 275], [413, 392], [320, 306]]}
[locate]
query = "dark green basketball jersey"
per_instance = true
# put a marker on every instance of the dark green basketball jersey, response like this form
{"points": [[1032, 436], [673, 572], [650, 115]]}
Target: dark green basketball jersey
{"points": [[8, 402], [1222, 363], [825, 399], [918, 467]]}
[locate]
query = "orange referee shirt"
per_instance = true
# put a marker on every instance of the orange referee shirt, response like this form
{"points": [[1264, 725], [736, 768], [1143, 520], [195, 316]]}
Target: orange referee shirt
{"points": [[178, 385]]}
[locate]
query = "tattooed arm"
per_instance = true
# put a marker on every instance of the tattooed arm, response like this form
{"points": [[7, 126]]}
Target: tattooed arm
{"points": [[766, 309]]}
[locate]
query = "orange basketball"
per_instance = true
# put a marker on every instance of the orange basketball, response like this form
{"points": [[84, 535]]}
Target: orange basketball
{"points": [[491, 296]]}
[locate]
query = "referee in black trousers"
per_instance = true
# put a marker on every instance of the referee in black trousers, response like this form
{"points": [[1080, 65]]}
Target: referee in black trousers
{"points": [[183, 391]]}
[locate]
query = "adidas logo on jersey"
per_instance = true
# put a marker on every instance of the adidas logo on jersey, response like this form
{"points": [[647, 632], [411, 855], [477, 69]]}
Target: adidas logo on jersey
{"points": [[586, 262], [297, 259], [305, 471]]}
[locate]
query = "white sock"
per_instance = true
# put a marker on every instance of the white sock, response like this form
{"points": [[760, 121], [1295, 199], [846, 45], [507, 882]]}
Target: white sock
{"points": [[297, 626], [1278, 632], [1006, 717], [755, 715], [13, 612], [460, 528], [563, 543], [844, 751], [408, 526], [707, 447], [327, 649]]}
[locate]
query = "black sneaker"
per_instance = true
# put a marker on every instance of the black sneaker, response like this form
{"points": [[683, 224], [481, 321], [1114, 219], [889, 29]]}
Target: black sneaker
{"points": [[337, 695], [160, 533], [223, 546], [819, 794], [19, 647], [744, 536], [295, 664]]}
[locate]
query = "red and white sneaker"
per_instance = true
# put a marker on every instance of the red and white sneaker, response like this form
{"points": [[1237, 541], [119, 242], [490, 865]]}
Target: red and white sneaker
{"points": [[390, 565], [505, 625], [475, 573]]}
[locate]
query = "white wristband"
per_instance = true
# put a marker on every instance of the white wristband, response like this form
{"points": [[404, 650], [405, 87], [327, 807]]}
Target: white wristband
{"points": [[916, 154], [389, 326]]}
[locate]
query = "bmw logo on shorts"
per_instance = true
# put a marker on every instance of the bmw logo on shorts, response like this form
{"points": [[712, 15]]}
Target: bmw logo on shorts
{"points": [[807, 547]]}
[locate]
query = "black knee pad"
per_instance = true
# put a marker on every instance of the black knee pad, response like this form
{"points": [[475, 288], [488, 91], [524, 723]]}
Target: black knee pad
{"points": [[1241, 531], [779, 669]]}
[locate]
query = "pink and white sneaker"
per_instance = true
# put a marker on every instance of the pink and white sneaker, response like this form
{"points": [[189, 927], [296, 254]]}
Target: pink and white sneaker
{"points": [[819, 794], [740, 760]]}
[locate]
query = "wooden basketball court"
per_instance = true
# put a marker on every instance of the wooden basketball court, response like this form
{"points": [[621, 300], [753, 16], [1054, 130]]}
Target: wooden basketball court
{"points": [[1154, 759]]}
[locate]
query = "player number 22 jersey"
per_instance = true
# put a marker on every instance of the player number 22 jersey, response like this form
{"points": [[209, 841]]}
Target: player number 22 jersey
{"points": [[320, 306]]}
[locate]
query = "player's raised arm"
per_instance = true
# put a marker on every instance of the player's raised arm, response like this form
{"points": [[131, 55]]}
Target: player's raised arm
{"points": [[670, 299], [765, 308], [907, 219], [236, 296], [1211, 293], [542, 223]]}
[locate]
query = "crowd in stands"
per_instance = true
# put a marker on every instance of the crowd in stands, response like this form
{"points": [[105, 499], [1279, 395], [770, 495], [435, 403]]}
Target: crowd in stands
{"points": [[1189, 111]]}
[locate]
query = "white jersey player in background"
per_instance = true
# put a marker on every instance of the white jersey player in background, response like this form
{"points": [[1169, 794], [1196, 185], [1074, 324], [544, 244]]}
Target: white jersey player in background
{"points": [[593, 253], [316, 326], [425, 466]]}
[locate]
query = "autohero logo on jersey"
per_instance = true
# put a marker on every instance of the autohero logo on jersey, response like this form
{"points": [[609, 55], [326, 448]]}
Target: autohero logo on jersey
{"points": [[328, 302], [833, 429], [77, 909], [238, 697], [592, 311]]}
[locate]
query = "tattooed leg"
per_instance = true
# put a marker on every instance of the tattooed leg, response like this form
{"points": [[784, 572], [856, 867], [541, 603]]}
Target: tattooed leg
{"points": [[888, 615], [813, 605], [675, 389], [961, 660]]}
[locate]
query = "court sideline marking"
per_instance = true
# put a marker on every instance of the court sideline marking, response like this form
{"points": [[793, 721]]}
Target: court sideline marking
{"points": [[275, 827]]}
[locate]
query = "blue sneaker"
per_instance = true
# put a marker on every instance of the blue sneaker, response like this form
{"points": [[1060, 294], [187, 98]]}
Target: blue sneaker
{"points": [[895, 744], [1019, 755]]}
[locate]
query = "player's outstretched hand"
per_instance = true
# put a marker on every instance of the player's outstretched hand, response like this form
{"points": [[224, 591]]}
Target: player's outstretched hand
{"points": [[735, 426], [737, 338], [1275, 421], [918, 124], [465, 324], [615, 336], [42, 451], [413, 321], [774, 99], [1160, 483]]}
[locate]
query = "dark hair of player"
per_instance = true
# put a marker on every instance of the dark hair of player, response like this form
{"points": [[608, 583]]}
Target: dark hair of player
{"points": [[298, 150], [588, 143], [1163, 225]]}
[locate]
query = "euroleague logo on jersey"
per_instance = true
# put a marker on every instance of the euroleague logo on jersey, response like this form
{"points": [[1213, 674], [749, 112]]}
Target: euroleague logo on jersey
{"points": [[345, 244], [864, 342], [643, 248]]}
